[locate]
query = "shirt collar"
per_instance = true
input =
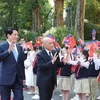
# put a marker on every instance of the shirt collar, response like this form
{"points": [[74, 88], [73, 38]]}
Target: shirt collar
{"points": [[10, 42], [47, 51]]}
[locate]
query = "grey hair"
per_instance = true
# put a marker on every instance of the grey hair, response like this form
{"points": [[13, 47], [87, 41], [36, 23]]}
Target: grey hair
{"points": [[45, 39]]}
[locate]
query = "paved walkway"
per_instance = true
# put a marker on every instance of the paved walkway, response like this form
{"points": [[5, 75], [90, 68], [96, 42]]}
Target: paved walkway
{"points": [[55, 96]]}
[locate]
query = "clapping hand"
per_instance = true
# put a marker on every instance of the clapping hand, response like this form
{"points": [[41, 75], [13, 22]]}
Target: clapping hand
{"points": [[65, 59]]}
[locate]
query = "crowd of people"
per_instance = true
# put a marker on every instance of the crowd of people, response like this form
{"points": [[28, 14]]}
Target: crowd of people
{"points": [[38, 68]]}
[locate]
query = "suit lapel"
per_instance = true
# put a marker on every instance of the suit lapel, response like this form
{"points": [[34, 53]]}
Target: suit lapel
{"points": [[6, 48], [53, 52], [45, 55], [7, 45]]}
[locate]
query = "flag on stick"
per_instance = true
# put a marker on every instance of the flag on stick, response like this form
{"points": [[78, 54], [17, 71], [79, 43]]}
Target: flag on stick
{"points": [[81, 42], [28, 45], [93, 34]]}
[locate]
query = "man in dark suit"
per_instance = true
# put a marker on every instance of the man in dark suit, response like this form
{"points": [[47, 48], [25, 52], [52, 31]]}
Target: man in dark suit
{"points": [[47, 62], [12, 66]]}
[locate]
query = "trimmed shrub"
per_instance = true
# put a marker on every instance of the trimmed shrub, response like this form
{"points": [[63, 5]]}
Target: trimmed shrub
{"points": [[88, 27]]}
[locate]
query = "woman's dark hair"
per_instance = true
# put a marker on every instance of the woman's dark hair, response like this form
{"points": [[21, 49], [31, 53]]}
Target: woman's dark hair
{"points": [[9, 30], [28, 49], [86, 54], [66, 47], [36, 48], [33, 44], [40, 47]]}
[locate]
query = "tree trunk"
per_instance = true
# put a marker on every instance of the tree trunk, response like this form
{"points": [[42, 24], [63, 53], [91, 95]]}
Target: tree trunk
{"points": [[80, 13], [58, 17], [35, 19]]}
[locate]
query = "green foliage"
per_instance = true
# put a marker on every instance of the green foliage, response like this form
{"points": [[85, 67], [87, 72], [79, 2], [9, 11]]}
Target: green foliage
{"points": [[26, 14], [92, 11], [59, 33], [28, 35], [88, 27], [2, 38], [73, 6], [18, 13], [45, 14], [8, 11]]}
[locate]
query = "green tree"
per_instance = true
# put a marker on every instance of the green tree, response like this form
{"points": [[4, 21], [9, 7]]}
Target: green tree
{"points": [[80, 14], [19, 13], [8, 11], [93, 11], [58, 16]]}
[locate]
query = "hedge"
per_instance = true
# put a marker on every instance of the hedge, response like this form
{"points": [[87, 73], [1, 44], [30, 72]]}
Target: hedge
{"points": [[88, 27]]}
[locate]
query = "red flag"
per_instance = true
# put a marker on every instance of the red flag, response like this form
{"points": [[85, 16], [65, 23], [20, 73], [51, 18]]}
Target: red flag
{"points": [[28, 45], [79, 47], [65, 40], [38, 42], [88, 44], [81, 42], [51, 36], [72, 42], [92, 49], [98, 44], [56, 44]]}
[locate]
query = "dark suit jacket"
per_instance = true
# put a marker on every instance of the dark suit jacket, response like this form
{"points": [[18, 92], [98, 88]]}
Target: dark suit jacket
{"points": [[9, 67], [46, 71]]}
